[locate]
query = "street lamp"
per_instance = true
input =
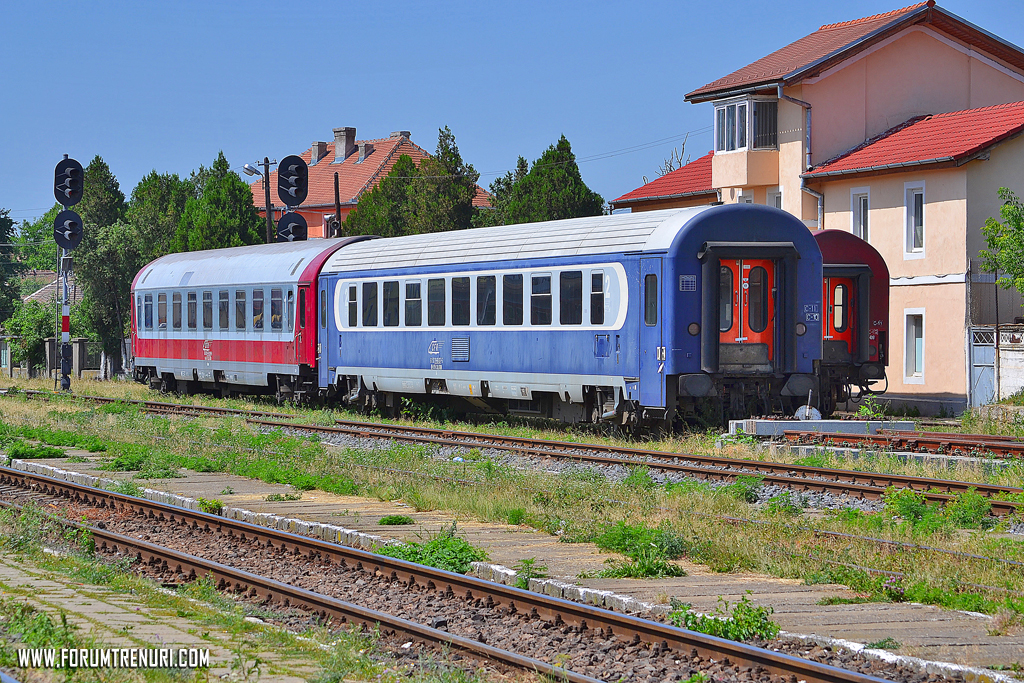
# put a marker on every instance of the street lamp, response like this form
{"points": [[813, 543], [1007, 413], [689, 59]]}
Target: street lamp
{"points": [[253, 169]]}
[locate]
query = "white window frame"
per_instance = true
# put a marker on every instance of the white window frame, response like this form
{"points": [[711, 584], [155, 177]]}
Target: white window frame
{"points": [[771, 194], [745, 197], [907, 313], [748, 102], [910, 253], [855, 194]]}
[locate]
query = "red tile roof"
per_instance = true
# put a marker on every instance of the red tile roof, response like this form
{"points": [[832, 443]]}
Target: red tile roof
{"points": [[692, 179], [942, 138], [834, 43], [353, 177]]}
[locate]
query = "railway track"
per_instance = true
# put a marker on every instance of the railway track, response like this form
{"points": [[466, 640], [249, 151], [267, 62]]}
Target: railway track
{"points": [[801, 478], [922, 442], [613, 632]]}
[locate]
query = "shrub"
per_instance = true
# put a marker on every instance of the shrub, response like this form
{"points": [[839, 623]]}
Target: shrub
{"points": [[212, 507], [744, 622]]}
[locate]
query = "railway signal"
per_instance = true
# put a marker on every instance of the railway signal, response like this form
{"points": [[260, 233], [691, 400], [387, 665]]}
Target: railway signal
{"points": [[68, 182], [67, 229], [292, 228], [292, 180]]}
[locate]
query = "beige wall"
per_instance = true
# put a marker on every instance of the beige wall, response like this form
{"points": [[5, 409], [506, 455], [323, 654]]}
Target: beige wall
{"points": [[945, 334], [745, 168]]}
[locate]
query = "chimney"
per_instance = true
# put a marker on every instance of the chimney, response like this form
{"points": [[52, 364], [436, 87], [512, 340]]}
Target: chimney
{"points": [[344, 143], [365, 150], [400, 134], [317, 152]]}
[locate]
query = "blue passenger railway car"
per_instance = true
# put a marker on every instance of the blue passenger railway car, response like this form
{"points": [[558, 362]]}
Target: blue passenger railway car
{"points": [[642, 319]]}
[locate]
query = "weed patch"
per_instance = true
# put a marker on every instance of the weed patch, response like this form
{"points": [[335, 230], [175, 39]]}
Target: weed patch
{"points": [[527, 569], [282, 497], [744, 621], [396, 520], [210, 507], [25, 451], [888, 643], [444, 551]]}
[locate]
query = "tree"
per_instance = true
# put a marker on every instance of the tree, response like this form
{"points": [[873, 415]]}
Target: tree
{"points": [[221, 214], [441, 195], [1005, 253], [551, 190], [37, 249], [30, 325], [156, 208], [384, 210], [102, 200], [675, 159], [9, 266]]}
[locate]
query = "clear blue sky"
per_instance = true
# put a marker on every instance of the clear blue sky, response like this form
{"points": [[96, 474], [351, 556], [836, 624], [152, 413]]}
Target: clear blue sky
{"points": [[167, 85]]}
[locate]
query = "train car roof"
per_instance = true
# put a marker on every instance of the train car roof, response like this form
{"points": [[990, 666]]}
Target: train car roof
{"points": [[278, 262], [626, 232]]}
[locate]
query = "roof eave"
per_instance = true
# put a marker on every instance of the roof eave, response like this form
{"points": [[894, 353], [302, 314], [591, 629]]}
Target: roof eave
{"points": [[879, 169], [680, 195], [733, 92]]}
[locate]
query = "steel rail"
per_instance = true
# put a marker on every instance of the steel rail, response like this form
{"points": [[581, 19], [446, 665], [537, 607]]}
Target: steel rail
{"points": [[552, 609], [929, 442], [270, 591], [868, 485]]}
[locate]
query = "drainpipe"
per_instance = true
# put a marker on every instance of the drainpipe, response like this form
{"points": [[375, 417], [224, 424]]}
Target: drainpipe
{"points": [[807, 156]]}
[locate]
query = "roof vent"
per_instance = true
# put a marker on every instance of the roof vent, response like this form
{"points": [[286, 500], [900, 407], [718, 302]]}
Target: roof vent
{"points": [[344, 143], [317, 152], [400, 134], [365, 150]]}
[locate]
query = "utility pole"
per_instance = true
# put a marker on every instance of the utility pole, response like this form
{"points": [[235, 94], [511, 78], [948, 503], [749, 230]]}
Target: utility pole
{"points": [[270, 207]]}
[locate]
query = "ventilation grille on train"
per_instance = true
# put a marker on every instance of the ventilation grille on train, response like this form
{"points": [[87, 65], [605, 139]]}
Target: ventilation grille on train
{"points": [[460, 349]]}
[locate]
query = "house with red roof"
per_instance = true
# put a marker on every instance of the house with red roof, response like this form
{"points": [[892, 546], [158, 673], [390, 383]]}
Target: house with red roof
{"points": [[359, 166], [899, 127]]}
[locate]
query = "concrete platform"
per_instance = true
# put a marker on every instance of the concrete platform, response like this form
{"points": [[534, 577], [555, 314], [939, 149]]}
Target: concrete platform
{"points": [[924, 631], [777, 427]]}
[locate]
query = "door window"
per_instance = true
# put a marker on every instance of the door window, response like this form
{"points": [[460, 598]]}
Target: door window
{"points": [[840, 308], [725, 297], [650, 300], [757, 306], [323, 309]]}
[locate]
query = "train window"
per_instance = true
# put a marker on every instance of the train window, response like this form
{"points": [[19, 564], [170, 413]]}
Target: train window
{"points": [[725, 295], [650, 300], [369, 304], [435, 302], [413, 305], [290, 309], [353, 307], [257, 309], [207, 310], [149, 311], [486, 291], [224, 309], [138, 311], [597, 297], [460, 301], [757, 293], [540, 300], [323, 308], [276, 309], [390, 304], [176, 310], [239, 309], [570, 297], [512, 299], [840, 311], [192, 310], [161, 311]]}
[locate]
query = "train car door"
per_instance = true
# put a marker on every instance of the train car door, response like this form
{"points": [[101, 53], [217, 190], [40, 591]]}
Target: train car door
{"points": [[747, 310], [652, 349], [839, 299]]}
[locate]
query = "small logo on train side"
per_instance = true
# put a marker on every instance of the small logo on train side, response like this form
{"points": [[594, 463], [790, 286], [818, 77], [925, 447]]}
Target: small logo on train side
{"points": [[435, 348], [207, 351]]}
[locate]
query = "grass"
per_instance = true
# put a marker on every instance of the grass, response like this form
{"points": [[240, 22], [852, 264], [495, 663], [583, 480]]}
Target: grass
{"points": [[395, 520], [282, 497], [743, 621], [444, 551], [888, 643], [526, 569]]}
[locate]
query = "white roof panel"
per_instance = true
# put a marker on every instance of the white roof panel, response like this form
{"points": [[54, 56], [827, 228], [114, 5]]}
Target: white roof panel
{"points": [[641, 231]]}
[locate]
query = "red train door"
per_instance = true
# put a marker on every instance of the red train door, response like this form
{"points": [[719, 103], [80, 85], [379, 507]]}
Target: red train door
{"points": [[838, 296], [747, 303]]}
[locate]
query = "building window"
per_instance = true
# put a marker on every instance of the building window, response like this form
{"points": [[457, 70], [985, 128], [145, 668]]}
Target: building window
{"points": [[435, 303], [460, 301], [161, 311], [239, 309], [353, 307], [486, 304], [176, 310], [735, 129], [570, 297], [774, 197], [512, 300], [413, 305], [207, 310], [915, 219], [257, 309], [369, 304], [731, 127], [540, 300], [276, 309], [914, 353], [859, 204], [746, 198], [597, 297], [766, 125], [390, 304], [192, 318]]}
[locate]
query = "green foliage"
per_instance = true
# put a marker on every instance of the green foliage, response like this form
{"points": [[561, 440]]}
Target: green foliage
{"points": [[516, 516], [39, 251], [10, 267], [128, 488], [640, 478], [444, 551], [384, 210], [282, 497], [648, 551], [785, 504], [1005, 241], [643, 563], [552, 189], [744, 622], [210, 507], [870, 409], [526, 569], [441, 198], [745, 488], [31, 324], [888, 643], [967, 510], [102, 200], [25, 451], [35, 629], [105, 270], [156, 208], [221, 214], [396, 520]]}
